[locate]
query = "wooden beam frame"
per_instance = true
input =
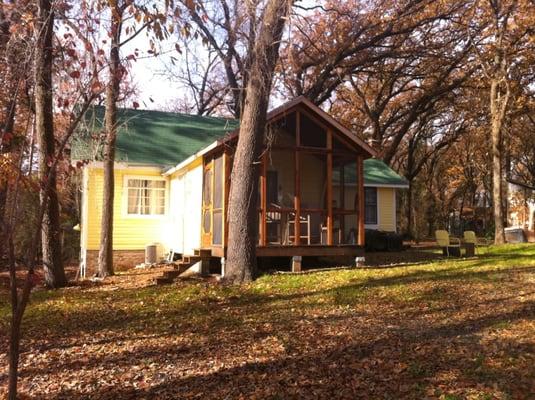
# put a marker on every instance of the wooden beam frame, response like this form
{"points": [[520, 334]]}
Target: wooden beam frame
{"points": [[263, 199], [310, 149], [311, 251], [327, 128], [342, 198], [360, 192], [329, 189], [297, 183]]}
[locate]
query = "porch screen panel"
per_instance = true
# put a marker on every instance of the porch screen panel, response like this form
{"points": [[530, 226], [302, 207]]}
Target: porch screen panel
{"points": [[281, 178], [218, 228], [312, 135], [345, 227], [207, 202], [218, 182], [313, 174], [313, 184], [280, 196], [217, 238]]}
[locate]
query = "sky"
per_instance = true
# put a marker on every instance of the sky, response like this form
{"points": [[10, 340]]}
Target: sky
{"points": [[145, 74]]}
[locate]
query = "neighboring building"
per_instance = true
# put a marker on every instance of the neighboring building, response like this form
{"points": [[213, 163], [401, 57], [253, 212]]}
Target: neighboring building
{"points": [[521, 213], [172, 178]]}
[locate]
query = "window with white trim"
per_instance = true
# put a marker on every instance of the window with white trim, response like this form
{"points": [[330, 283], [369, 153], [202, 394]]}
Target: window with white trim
{"points": [[146, 196]]}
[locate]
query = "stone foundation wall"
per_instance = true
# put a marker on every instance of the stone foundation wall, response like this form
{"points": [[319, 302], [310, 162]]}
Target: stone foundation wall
{"points": [[122, 260]]}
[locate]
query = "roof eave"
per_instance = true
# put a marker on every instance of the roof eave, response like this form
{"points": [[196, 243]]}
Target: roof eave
{"points": [[387, 185], [192, 158]]}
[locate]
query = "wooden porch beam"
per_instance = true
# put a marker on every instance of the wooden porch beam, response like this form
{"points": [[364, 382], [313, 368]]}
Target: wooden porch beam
{"points": [[263, 199], [360, 193], [311, 149], [342, 198], [327, 128], [329, 189], [297, 175]]}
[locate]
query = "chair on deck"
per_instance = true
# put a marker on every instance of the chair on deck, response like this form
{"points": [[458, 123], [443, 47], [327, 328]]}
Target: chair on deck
{"points": [[470, 237], [448, 243], [304, 225]]}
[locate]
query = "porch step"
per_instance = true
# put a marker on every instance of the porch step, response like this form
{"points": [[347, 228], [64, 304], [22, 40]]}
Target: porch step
{"points": [[202, 252], [173, 273], [190, 259], [180, 266]]}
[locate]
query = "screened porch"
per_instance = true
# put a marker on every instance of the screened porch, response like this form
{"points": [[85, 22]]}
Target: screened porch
{"points": [[305, 206]]}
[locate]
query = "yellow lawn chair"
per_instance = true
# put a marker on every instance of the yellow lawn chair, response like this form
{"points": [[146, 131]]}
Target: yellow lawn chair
{"points": [[448, 243], [470, 237]]}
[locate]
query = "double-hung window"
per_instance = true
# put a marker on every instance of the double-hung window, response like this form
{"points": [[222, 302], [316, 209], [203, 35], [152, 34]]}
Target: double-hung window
{"points": [[370, 206], [145, 196]]}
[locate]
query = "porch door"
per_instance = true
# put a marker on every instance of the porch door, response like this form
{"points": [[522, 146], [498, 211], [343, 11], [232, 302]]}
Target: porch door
{"points": [[207, 204], [217, 201]]}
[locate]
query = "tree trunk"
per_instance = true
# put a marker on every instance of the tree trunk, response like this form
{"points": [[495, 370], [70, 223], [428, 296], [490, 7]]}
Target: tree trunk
{"points": [[44, 125], [499, 233], [243, 215], [409, 212], [105, 256], [498, 107]]}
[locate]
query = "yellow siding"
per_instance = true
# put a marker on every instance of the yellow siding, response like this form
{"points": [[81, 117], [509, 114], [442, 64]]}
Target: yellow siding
{"points": [[386, 209], [129, 232]]}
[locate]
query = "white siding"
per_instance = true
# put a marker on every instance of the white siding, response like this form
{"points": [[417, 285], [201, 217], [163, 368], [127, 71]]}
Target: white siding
{"points": [[192, 209]]}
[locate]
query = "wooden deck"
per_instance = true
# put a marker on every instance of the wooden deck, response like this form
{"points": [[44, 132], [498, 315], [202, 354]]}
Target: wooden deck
{"points": [[304, 251]]}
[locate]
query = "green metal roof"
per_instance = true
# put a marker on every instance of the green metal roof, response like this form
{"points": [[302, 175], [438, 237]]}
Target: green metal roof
{"points": [[376, 172], [152, 137], [166, 139]]}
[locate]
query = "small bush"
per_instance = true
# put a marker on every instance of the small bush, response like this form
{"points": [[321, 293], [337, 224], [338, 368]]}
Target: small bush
{"points": [[383, 241]]}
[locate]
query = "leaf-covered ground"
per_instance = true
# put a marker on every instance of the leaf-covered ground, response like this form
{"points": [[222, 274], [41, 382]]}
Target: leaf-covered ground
{"points": [[461, 329]]}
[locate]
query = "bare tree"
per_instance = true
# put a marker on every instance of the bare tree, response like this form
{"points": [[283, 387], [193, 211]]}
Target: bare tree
{"points": [[201, 74]]}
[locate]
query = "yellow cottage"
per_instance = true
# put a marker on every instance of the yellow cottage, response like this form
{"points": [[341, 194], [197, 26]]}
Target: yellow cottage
{"points": [[320, 187]]}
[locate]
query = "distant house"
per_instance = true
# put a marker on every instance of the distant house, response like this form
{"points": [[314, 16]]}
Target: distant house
{"points": [[319, 187], [520, 213]]}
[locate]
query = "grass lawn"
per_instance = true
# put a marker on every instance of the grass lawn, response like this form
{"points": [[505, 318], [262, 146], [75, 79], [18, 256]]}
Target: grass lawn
{"points": [[456, 329]]}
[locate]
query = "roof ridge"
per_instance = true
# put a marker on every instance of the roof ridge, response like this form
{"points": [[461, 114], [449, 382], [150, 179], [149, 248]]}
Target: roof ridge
{"points": [[137, 110]]}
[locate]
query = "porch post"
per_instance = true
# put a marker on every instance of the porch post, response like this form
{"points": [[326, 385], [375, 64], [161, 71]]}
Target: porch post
{"points": [[263, 199], [360, 194], [297, 183], [342, 200], [329, 188]]}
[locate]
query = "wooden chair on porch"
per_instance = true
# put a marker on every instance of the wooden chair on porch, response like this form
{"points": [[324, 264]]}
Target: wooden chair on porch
{"points": [[304, 222], [273, 227], [337, 235]]}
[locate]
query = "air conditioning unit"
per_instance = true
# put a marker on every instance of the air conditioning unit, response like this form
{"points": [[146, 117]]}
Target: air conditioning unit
{"points": [[151, 251]]}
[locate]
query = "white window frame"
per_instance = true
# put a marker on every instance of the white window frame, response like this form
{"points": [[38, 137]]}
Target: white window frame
{"points": [[125, 212]]}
